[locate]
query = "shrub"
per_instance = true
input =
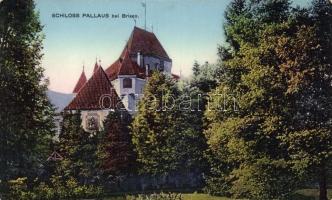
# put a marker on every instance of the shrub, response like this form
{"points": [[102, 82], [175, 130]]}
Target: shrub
{"points": [[58, 188], [18, 189]]}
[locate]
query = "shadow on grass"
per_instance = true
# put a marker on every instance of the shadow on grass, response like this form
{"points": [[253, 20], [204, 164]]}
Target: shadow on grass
{"points": [[310, 194], [301, 197]]}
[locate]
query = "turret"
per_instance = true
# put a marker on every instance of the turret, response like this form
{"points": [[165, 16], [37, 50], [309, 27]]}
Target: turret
{"points": [[81, 81]]}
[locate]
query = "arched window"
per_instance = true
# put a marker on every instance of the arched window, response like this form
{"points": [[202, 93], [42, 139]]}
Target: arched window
{"points": [[127, 83]]}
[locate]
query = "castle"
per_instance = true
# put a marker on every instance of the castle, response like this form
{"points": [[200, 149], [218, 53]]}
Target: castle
{"points": [[122, 82]]}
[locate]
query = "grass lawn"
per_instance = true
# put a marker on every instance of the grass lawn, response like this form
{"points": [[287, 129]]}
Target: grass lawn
{"points": [[195, 196], [305, 194], [192, 196]]}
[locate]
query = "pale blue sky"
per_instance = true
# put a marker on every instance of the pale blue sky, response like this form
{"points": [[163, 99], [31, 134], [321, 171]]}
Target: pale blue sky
{"points": [[188, 29]]}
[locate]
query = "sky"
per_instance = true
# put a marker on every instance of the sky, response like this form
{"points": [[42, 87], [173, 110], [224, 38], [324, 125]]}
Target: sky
{"points": [[189, 30]]}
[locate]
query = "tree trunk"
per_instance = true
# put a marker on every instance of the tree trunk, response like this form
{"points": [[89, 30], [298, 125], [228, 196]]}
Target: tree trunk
{"points": [[322, 184]]}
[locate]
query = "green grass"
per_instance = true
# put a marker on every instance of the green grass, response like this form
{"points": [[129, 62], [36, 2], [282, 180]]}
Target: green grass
{"points": [[115, 198], [304, 194], [195, 196], [192, 196]]}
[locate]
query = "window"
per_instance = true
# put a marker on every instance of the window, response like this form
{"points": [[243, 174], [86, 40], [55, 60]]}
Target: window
{"points": [[127, 83], [92, 122], [162, 65], [161, 68]]}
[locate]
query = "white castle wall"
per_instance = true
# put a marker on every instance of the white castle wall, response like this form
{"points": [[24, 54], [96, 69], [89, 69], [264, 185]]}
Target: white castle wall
{"points": [[129, 95], [139, 85]]}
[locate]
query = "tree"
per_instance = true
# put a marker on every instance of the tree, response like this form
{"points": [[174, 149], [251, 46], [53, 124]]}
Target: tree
{"points": [[281, 78], [246, 141], [196, 69], [189, 125], [26, 117], [115, 149], [164, 137], [309, 73], [205, 77], [78, 149], [323, 18], [153, 127]]}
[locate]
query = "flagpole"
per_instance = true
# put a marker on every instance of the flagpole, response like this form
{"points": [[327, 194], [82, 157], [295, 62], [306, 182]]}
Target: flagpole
{"points": [[144, 5], [145, 15]]}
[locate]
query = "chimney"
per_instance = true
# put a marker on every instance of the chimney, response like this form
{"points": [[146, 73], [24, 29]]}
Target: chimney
{"points": [[139, 59]]}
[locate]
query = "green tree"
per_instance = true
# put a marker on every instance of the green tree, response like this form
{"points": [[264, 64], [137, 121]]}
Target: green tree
{"points": [[78, 149], [205, 77], [307, 63], [245, 143], [115, 149], [26, 116], [196, 69], [189, 125], [153, 127], [165, 139], [281, 78]]}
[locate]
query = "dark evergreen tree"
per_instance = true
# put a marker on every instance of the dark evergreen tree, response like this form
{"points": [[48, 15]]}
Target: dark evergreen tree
{"points": [[205, 77], [235, 9], [168, 140], [196, 69], [78, 149], [115, 149], [26, 116], [189, 125], [153, 128]]}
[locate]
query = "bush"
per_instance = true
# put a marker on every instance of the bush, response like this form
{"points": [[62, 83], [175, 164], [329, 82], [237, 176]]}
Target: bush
{"points": [[58, 188], [217, 186], [19, 189], [43, 191]]}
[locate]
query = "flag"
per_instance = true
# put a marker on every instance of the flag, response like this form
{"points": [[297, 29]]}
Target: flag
{"points": [[143, 4]]}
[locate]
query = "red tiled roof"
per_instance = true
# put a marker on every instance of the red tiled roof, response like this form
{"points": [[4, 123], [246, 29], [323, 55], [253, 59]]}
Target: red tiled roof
{"points": [[113, 70], [88, 98], [81, 81], [145, 42], [125, 66]]}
